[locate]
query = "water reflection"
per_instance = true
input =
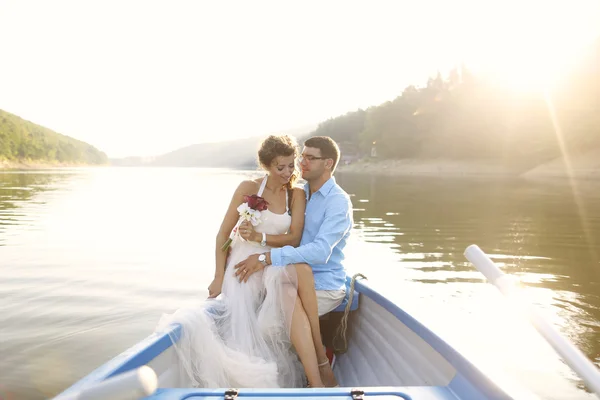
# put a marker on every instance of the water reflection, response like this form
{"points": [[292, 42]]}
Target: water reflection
{"points": [[18, 189], [532, 230], [91, 259]]}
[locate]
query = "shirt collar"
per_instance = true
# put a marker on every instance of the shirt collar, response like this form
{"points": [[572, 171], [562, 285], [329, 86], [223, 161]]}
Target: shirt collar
{"points": [[324, 190]]}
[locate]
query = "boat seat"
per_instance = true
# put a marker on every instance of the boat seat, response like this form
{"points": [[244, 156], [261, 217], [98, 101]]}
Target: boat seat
{"points": [[382, 393], [331, 321], [342, 306]]}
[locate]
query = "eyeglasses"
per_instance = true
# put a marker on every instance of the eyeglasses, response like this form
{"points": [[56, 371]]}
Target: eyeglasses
{"points": [[309, 158]]}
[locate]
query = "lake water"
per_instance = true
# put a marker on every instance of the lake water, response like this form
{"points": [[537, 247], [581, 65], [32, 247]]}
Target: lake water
{"points": [[91, 258]]}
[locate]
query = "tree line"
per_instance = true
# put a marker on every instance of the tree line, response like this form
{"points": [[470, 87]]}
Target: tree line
{"points": [[21, 140], [465, 116]]}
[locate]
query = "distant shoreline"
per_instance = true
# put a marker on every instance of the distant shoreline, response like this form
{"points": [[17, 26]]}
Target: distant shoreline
{"points": [[587, 168], [583, 167], [408, 167], [16, 165]]}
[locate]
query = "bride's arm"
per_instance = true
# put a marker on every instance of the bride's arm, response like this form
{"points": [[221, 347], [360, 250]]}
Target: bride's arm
{"points": [[294, 235], [229, 221]]}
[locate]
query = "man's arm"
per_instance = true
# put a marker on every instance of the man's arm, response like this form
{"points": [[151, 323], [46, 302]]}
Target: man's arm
{"points": [[338, 221]]}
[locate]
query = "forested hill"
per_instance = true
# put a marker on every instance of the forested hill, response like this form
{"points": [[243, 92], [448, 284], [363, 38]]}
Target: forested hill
{"points": [[24, 141], [467, 117]]}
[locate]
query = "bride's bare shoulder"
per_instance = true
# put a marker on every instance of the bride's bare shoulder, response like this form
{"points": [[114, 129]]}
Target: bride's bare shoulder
{"points": [[248, 187], [298, 192], [298, 187]]}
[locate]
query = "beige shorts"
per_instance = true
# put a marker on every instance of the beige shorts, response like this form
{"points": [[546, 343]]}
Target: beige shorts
{"points": [[328, 300]]}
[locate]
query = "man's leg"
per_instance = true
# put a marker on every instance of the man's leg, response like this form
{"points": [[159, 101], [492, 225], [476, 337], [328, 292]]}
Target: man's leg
{"points": [[329, 300], [308, 297]]}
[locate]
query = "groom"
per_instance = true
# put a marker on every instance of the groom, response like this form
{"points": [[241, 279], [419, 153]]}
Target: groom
{"points": [[328, 221]]}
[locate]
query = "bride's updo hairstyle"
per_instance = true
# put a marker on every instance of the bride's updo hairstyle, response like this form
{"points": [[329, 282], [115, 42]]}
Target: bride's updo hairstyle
{"points": [[276, 146]]}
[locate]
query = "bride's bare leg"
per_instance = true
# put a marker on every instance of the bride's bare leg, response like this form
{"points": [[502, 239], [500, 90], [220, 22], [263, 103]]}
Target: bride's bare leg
{"points": [[308, 297], [302, 340]]}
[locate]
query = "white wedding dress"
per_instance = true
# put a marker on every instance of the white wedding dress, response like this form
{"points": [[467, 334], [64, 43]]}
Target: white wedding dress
{"points": [[241, 339]]}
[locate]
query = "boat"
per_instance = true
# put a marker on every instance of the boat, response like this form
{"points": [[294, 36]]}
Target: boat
{"points": [[389, 354]]}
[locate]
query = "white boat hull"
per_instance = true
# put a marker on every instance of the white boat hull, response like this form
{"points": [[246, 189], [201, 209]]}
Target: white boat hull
{"points": [[389, 354]]}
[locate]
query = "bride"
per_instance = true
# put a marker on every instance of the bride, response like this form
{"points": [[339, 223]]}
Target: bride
{"points": [[240, 336]]}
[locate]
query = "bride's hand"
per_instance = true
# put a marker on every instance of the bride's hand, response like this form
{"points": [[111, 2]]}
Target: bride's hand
{"points": [[214, 289], [247, 232]]}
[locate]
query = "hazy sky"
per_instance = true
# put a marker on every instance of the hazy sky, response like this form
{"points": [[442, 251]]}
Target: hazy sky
{"points": [[145, 77]]}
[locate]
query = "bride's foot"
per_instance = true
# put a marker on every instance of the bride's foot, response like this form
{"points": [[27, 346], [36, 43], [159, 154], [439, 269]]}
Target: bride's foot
{"points": [[327, 375]]}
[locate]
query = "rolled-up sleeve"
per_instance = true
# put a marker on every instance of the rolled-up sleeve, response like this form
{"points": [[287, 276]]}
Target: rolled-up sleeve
{"points": [[337, 222]]}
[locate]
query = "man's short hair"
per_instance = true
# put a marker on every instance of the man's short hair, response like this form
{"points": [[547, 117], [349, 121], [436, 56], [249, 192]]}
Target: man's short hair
{"points": [[328, 147]]}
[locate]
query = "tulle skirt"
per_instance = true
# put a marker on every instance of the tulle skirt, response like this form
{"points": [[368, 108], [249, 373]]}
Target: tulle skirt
{"points": [[241, 338]]}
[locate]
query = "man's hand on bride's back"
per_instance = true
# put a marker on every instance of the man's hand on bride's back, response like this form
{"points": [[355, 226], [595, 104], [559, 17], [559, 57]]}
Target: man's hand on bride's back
{"points": [[214, 289]]}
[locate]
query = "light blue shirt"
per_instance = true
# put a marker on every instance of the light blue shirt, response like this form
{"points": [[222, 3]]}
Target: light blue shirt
{"points": [[327, 225]]}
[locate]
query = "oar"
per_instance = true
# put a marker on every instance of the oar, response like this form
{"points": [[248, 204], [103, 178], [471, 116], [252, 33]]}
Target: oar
{"points": [[567, 350], [131, 385]]}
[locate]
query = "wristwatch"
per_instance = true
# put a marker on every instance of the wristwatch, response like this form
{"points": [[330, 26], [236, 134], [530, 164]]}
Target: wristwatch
{"points": [[263, 259], [263, 243]]}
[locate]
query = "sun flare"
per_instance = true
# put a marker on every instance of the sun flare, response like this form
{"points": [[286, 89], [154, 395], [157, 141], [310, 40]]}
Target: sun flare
{"points": [[531, 44]]}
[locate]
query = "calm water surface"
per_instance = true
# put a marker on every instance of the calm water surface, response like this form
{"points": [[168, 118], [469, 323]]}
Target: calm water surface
{"points": [[90, 259]]}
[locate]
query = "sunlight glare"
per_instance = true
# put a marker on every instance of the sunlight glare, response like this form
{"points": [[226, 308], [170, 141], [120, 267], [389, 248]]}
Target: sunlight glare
{"points": [[569, 168], [532, 43]]}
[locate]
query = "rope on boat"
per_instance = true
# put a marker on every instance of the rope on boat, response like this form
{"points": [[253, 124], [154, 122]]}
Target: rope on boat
{"points": [[340, 333]]}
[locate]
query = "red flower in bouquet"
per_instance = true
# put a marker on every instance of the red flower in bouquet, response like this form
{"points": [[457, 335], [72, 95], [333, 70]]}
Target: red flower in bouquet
{"points": [[256, 202]]}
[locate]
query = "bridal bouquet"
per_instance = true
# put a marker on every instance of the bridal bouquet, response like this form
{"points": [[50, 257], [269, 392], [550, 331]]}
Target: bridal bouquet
{"points": [[249, 211]]}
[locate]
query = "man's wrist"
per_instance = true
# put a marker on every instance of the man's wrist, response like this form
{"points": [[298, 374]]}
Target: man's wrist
{"points": [[268, 255], [274, 257]]}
